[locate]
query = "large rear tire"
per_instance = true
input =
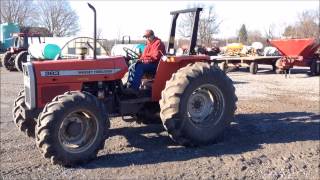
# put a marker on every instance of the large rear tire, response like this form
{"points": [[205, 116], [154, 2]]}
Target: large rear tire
{"points": [[8, 61], [25, 125], [197, 104], [19, 59], [72, 128]]}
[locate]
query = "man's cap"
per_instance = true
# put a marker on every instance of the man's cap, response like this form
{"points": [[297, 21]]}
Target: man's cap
{"points": [[148, 33]]}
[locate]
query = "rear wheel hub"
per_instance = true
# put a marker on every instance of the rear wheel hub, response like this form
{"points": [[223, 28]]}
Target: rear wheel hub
{"points": [[204, 102]]}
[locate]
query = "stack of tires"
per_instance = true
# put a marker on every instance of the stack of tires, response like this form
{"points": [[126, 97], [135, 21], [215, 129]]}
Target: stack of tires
{"points": [[13, 61]]}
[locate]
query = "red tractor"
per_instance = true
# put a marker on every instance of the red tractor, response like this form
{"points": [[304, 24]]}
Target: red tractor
{"points": [[67, 104], [17, 54]]}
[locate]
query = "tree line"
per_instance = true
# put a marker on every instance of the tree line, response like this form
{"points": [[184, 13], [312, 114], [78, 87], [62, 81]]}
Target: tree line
{"points": [[59, 19], [306, 26], [57, 16]]}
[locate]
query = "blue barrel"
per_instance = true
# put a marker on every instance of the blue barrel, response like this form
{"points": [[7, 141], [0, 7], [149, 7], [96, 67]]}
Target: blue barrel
{"points": [[6, 31], [51, 51], [44, 51], [141, 48]]}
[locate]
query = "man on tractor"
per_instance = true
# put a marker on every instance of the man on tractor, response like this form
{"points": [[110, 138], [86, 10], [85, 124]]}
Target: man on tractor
{"points": [[72, 100], [147, 63]]}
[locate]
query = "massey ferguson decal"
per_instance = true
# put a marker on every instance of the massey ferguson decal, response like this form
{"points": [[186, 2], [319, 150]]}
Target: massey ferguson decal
{"points": [[78, 72]]}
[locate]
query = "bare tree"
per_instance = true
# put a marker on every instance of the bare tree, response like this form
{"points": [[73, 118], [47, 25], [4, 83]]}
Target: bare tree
{"points": [[58, 17], [255, 36], [307, 25], [290, 31], [17, 11], [270, 32], [99, 33], [208, 25]]}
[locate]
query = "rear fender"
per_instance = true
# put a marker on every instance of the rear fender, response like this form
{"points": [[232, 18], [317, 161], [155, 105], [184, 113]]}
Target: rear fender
{"points": [[166, 69]]}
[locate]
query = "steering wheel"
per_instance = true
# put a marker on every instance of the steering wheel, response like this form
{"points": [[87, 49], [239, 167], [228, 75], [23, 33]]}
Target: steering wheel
{"points": [[131, 54]]}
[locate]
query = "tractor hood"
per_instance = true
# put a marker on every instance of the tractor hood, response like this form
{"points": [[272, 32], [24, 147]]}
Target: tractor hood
{"points": [[78, 71]]}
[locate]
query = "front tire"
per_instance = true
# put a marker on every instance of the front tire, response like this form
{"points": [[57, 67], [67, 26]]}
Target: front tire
{"points": [[197, 104], [25, 125], [72, 128]]}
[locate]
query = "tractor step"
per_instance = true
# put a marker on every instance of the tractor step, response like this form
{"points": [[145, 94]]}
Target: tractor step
{"points": [[132, 106]]}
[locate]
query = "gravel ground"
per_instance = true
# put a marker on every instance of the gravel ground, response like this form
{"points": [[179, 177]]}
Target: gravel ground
{"points": [[275, 136]]}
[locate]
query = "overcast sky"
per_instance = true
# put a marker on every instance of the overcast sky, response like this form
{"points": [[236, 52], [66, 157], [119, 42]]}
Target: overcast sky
{"points": [[118, 18]]}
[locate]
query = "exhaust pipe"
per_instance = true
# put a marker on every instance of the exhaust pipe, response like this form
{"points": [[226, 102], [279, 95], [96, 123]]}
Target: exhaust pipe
{"points": [[94, 31]]}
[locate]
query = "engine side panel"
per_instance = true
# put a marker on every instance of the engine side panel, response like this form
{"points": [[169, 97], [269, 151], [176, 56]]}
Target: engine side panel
{"points": [[57, 77], [79, 71]]}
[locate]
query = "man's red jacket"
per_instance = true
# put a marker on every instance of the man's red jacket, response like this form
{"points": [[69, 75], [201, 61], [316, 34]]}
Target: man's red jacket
{"points": [[152, 52]]}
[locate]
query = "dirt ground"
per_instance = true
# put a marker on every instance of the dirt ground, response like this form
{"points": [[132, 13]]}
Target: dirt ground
{"points": [[275, 136]]}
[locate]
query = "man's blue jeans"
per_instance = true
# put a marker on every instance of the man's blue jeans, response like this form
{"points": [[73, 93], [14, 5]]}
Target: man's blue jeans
{"points": [[136, 72]]}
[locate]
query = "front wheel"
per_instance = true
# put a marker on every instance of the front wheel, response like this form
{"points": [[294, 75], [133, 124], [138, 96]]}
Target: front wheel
{"points": [[197, 104], [25, 125], [72, 128]]}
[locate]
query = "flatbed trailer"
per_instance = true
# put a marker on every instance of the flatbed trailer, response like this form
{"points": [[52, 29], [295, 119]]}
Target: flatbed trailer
{"points": [[247, 61]]}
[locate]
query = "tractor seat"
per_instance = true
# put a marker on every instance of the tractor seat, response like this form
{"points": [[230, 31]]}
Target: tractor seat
{"points": [[147, 81]]}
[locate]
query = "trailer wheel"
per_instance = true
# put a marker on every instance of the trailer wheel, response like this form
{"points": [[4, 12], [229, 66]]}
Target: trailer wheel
{"points": [[223, 66], [8, 61], [19, 59], [197, 104], [72, 128], [253, 67], [315, 67], [274, 67], [25, 125]]}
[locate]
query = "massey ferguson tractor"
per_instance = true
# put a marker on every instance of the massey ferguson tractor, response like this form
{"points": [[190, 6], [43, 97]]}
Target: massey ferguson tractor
{"points": [[66, 104], [17, 54]]}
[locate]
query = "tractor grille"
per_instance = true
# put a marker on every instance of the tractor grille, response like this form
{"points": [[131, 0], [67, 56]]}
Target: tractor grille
{"points": [[29, 85], [27, 96]]}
